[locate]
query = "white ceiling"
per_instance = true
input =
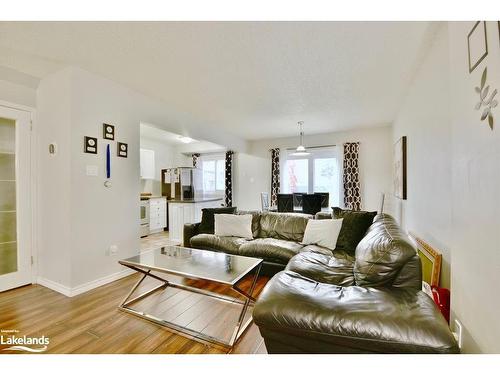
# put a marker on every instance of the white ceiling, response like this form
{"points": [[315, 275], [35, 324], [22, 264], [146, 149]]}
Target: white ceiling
{"points": [[157, 134], [253, 79]]}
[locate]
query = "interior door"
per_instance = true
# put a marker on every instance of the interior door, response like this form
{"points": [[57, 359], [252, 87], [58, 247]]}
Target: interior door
{"points": [[15, 198]]}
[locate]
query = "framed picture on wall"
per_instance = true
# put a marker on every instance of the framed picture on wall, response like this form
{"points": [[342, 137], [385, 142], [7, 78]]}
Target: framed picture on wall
{"points": [[108, 131], [90, 145], [400, 168], [431, 261], [477, 45]]}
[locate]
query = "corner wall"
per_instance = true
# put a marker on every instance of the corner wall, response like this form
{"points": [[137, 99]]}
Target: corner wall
{"points": [[79, 217], [475, 260], [424, 118], [53, 125], [454, 177]]}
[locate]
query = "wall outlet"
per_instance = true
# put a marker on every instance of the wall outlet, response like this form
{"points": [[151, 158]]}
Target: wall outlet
{"points": [[113, 249], [458, 332]]}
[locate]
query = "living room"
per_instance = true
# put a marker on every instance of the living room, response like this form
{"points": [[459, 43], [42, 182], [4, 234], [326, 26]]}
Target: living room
{"points": [[359, 162]]}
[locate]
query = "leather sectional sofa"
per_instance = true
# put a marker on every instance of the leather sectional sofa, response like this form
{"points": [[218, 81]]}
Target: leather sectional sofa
{"points": [[363, 300]]}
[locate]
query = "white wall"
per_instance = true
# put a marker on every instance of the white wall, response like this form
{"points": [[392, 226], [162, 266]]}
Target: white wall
{"points": [[424, 118], [253, 173], [251, 176], [475, 260], [53, 125], [79, 217]]}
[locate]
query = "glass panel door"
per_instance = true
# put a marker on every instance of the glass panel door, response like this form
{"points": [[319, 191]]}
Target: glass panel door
{"points": [[15, 198], [8, 219]]}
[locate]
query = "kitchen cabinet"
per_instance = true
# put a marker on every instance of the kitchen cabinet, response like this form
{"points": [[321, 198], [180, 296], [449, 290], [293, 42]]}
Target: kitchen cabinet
{"points": [[185, 212], [157, 214], [147, 163]]}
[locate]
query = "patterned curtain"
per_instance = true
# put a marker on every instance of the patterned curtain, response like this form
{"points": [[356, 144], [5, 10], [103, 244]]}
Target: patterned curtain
{"points": [[229, 179], [275, 175], [195, 160], [352, 194]]}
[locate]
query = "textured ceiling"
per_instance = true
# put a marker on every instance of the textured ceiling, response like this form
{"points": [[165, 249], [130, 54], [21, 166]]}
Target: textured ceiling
{"points": [[157, 134], [253, 79]]}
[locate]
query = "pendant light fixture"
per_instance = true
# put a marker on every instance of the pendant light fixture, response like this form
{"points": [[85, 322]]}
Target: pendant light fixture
{"points": [[301, 150]]}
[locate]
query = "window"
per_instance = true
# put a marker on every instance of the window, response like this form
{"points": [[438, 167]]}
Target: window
{"points": [[317, 172], [213, 167]]}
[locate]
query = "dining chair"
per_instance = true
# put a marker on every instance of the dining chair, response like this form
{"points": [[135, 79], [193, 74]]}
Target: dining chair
{"points": [[311, 204], [297, 199], [325, 199], [264, 201], [285, 202]]}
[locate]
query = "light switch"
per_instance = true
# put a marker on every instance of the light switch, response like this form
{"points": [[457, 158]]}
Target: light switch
{"points": [[92, 170]]}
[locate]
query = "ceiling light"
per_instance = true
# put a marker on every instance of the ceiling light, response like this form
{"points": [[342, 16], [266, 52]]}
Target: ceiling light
{"points": [[301, 150], [185, 139]]}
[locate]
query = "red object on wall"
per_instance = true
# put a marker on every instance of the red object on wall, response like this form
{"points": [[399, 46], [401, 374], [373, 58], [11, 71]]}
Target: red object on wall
{"points": [[442, 300]]}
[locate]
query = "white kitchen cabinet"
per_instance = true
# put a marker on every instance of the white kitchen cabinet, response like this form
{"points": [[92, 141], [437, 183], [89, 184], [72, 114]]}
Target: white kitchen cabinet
{"points": [[147, 164], [180, 213], [157, 214]]}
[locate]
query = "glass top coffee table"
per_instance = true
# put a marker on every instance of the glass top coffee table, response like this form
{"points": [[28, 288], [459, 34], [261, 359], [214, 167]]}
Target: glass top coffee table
{"points": [[194, 264]]}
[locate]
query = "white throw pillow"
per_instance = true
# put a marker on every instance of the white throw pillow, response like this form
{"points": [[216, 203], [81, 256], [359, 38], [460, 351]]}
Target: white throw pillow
{"points": [[322, 232], [233, 225]]}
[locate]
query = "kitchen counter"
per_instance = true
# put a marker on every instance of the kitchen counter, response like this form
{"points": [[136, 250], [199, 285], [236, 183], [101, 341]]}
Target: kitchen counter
{"points": [[146, 197], [181, 212], [196, 200]]}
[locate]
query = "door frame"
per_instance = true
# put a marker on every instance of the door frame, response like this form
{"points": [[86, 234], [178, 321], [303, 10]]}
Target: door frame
{"points": [[33, 183]]}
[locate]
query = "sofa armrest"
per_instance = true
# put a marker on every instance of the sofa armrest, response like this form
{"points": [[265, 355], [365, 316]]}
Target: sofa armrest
{"points": [[190, 230], [296, 314]]}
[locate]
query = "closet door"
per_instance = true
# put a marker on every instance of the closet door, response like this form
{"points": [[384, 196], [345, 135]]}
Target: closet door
{"points": [[15, 198]]}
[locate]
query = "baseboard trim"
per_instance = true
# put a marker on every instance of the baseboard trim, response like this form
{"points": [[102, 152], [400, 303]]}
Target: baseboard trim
{"points": [[59, 288], [71, 292]]}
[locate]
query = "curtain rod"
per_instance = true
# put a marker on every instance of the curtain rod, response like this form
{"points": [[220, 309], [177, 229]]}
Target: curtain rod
{"points": [[309, 147]]}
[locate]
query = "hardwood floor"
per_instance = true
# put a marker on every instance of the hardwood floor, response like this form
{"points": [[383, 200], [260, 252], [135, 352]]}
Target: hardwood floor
{"points": [[156, 240], [92, 323]]}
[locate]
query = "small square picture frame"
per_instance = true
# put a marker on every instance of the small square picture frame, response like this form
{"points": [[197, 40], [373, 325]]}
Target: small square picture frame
{"points": [[108, 131], [122, 150], [90, 145], [477, 45]]}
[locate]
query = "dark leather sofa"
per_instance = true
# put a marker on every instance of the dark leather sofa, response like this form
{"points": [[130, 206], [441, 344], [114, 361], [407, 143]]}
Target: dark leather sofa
{"points": [[367, 300], [276, 239]]}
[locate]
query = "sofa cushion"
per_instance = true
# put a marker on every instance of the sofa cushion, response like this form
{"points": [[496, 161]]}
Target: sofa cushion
{"points": [[230, 225], [270, 249], [283, 226], [303, 315], [322, 232], [255, 220], [354, 227], [336, 268], [207, 241], [382, 253], [207, 224]]}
